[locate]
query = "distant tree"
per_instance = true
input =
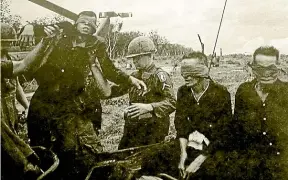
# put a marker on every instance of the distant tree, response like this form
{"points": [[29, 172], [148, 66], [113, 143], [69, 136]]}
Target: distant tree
{"points": [[163, 46], [112, 38], [6, 17], [123, 40], [156, 38], [49, 20]]}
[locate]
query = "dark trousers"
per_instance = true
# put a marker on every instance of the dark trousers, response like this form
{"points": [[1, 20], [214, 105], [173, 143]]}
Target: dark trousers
{"points": [[144, 132]]}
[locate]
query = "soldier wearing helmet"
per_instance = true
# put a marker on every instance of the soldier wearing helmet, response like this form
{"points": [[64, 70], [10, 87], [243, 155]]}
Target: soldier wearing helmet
{"points": [[147, 117], [8, 39], [17, 156]]}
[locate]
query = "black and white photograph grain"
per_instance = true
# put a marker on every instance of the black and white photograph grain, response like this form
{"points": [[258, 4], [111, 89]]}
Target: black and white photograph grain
{"points": [[144, 89]]}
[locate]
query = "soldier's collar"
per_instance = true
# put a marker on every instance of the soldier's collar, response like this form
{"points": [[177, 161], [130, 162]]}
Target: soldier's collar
{"points": [[146, 73]]}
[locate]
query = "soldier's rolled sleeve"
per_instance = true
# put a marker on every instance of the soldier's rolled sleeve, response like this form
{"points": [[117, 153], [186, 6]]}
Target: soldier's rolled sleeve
{"points": [[109, 70], [167, 105], [6, 69]]}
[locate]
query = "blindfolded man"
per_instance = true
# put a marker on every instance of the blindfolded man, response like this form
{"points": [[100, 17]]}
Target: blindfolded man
{"points": [[203, 111], [261, 119]]}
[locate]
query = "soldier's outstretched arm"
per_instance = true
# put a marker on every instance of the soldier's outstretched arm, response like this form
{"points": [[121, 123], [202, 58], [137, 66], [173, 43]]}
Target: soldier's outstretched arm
{"points": [[120, 90], [20, 96], [114, 74], [102, 84], [34, 60], [109, 70]]}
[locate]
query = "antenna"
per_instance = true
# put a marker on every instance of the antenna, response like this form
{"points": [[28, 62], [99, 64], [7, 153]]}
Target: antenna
{"points": [[217, 35]]}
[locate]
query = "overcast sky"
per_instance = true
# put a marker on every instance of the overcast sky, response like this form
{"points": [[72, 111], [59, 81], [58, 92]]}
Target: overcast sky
{"points": [[247, 24]]}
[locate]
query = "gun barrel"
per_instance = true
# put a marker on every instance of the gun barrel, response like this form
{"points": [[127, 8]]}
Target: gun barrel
{"points": [[55, 8], [124, 15], [114, 14], [107, 14]]}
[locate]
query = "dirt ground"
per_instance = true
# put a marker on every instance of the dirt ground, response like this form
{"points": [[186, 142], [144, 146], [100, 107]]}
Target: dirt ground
{"points": [[231, 73]]}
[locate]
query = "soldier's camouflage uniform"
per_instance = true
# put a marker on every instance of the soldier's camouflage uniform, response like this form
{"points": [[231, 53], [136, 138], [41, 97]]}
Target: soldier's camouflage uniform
{"points": [[152, 127], [14, 151]]}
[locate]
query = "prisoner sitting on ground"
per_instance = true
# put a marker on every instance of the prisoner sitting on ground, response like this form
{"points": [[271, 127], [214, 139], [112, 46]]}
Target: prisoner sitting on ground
{"points": [[203, 114], [59, 116], [261, 120], [147, 117]]}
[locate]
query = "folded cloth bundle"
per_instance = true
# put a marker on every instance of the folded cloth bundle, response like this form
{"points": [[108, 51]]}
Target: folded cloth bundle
{"points": [[196, 139]]}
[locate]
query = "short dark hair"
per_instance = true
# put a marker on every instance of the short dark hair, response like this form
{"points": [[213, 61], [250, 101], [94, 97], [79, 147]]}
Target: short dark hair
{"points": [[267, 51], [87, 13], [198, 55]]}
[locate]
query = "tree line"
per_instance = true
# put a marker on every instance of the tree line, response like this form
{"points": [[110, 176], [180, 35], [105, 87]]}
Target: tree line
{"points": [[117, 42]]}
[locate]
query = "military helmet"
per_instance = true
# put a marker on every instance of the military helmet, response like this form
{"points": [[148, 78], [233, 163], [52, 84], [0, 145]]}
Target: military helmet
{"points": [[8, 33], [140, 46]]}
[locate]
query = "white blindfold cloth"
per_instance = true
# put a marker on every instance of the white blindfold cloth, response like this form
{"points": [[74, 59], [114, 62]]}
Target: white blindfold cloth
{"points": [[265, 71], [194, 70]]}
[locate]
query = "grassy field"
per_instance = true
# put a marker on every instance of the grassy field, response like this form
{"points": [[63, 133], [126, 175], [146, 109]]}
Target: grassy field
{"points": [[231, 73]]}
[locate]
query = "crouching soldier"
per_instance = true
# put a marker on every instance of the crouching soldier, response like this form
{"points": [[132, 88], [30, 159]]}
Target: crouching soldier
{"points": [[147, 117]]}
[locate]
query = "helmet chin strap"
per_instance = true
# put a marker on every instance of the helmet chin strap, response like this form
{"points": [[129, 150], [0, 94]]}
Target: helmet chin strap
{"points": [[148, 65]]}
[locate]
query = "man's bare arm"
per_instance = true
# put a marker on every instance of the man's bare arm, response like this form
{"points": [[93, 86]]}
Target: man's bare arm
{"points": [[33, 60], [101, 83], [20, 95], [183, 157]]}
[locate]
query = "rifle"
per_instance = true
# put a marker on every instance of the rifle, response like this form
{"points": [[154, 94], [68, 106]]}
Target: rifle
{"points": [[131, 156]]}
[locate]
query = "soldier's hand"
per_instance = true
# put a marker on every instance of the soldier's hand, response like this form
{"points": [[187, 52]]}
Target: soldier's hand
{"points": [[139, 84], [26, 38], [137, 109], [51, 30]]}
